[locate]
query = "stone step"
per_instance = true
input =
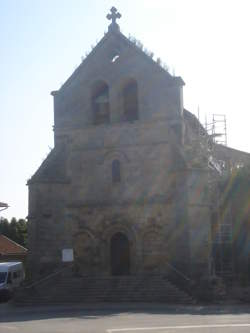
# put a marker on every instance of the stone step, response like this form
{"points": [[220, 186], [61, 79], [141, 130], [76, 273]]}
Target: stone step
{"points": [[106, 289]]}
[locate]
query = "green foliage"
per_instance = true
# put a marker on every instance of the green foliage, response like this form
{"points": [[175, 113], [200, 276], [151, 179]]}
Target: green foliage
{"points": [[16, 230], [150, 54]]}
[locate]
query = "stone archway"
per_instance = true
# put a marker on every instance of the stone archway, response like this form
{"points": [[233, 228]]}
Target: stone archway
{"points": [[119, 254], [84, 251]]}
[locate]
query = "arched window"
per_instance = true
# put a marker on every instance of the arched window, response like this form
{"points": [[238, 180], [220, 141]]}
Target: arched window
{"points": [[100, 103], [116, 171], [130, 101]]}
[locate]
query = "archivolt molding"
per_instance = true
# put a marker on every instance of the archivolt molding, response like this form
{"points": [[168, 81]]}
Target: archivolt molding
{"points": [[88, 232], [120, 227], [126, 80], [115, 154], [96, 81]]}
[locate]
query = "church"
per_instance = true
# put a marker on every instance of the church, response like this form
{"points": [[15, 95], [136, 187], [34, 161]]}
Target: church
{"points": [[126, 189]]}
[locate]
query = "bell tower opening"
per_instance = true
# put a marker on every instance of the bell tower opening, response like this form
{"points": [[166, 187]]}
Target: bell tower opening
{"points": [[130, 101], [100, 103]]}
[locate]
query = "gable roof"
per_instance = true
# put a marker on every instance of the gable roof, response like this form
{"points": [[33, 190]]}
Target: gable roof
{"points": [[119, 36], [8, 246]]}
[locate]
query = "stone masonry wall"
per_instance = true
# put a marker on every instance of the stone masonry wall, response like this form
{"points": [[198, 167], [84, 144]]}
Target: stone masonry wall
{"points": [[152, 204]]}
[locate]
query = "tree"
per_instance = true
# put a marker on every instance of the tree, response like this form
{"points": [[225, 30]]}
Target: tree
{"points": [[16, 230]]}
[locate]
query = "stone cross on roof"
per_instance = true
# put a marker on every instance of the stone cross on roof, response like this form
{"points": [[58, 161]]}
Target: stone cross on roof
{"points": [[113, 16]]}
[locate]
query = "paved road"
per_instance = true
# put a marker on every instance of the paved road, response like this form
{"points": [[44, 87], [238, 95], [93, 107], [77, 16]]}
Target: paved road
{"points": [[130, 318]]}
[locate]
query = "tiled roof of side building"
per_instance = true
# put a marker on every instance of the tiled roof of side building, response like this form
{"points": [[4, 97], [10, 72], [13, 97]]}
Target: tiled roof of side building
{"points": [[8, 246]]}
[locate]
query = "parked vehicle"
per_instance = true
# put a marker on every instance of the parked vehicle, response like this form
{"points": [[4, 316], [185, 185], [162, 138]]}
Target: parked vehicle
{"points": [[11, 276]]}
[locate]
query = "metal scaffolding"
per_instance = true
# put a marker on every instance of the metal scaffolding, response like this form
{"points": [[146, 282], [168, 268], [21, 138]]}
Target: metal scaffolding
{"points": [[212, 133], [217, 129]]}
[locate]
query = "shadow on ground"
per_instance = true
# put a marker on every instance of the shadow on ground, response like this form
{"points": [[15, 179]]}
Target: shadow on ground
{"points": [[12, 313]]}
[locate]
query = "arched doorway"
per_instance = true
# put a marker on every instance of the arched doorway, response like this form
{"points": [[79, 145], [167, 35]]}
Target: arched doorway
{"points": [[119, 254]]}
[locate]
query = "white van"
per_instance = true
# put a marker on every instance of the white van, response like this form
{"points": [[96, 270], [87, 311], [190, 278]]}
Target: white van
{"points": [[11, 276]]}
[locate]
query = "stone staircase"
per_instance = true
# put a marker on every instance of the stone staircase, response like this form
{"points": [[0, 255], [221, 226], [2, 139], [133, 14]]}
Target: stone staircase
{"points": [[151, 288]]}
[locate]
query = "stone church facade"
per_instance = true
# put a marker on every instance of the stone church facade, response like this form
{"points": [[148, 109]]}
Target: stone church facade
{"points": [[120, 187]]}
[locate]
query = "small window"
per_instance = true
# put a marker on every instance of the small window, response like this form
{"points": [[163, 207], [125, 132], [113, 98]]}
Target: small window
{"points": [[115, 56], [130, 101], [116, 171]]}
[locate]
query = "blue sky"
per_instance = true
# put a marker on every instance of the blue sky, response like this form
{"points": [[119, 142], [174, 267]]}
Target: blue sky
{"points": [[205, 42]]}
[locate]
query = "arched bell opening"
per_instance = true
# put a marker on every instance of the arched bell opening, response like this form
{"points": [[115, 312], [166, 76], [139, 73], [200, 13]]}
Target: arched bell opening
{"points": [[130, 101], [100, 103]]}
